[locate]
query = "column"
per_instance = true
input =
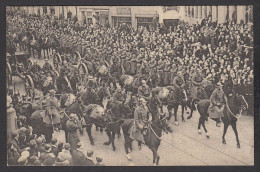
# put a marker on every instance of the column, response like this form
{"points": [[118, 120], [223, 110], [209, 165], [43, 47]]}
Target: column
{"points": [[222, 13], [241, 11], [231, 10], [204, 8], [208, 10], [133, 19], [196, 12], [214, 13], [199, 12]]}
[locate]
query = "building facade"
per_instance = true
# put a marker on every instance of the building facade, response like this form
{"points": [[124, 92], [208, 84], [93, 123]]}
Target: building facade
{"points": [[194, 14], [146, 15]]}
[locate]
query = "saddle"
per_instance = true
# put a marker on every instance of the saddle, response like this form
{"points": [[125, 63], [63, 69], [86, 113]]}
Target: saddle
{"points": [[216, 111]]}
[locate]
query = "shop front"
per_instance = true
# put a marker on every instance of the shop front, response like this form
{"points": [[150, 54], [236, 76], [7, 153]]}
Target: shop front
{"points": [[121, 21]]}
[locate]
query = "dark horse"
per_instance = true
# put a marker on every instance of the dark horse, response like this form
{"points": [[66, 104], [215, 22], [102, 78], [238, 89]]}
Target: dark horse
{"points": [[77, 107], [115, 114], [153, 134], [234, 106], [203, 93]]}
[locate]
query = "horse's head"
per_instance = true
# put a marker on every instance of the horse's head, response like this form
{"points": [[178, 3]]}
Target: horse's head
{"points": [[163, 93], [161, 122], [70, 99], [239, 100]]}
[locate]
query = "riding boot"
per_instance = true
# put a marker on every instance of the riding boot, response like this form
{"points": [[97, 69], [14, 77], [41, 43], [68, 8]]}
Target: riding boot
{"points": [[218, 122], [139, 145]]}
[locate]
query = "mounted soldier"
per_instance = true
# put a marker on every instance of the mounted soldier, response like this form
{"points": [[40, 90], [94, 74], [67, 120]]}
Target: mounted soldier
{"points": [[47, 68], [119, 94], [144, 90], [142, 117], [52, 114], [218, 102], [196, 89], [179, 80]]}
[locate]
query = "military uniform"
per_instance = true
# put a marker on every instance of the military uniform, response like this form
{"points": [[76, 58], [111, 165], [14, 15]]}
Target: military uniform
{"points": [[144, 91], [179, 81], [52, 115], [166, 75], [196, 85], [141, 116]]}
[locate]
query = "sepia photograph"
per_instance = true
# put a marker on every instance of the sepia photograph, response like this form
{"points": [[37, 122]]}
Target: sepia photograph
{"points": [[130, 85]]}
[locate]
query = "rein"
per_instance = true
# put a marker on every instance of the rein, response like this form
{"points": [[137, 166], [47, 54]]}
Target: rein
{"points": [[237, 117], [160, 138]]}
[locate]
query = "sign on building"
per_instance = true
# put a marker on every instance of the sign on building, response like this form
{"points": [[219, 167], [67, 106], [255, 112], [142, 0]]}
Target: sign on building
{"points": [[123, 11]]}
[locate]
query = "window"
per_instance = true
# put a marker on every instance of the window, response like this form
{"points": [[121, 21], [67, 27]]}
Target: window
{"points": [[89, 13], [44, 10], [52, 10], [189, 11], [185, 8], [144, 20]]}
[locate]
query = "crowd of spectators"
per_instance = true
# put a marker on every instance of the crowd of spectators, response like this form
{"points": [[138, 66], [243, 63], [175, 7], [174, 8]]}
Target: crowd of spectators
{"points": [[223, 52]]}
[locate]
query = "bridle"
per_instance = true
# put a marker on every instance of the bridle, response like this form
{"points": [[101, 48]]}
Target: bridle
{"points": [[240, 111]]}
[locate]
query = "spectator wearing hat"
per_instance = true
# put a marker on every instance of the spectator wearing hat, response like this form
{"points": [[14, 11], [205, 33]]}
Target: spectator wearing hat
{"points": [[37, 163], [23, 159], [31, 160], [39, 147], [65, 153], [89, 159], [47, 153], [54, 148], [72, 126], [99, 160], [33, 151], [12, 154], [14, 140], [78, 157]]}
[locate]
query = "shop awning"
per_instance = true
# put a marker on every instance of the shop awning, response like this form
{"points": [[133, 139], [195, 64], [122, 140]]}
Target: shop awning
{"points": [[145, 15]]}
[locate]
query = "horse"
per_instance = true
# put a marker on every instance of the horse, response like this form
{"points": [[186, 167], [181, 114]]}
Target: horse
{"points": [[152, 137], [171, 97], [233, 107], [113, 118], [71, 105], [205, 93]]}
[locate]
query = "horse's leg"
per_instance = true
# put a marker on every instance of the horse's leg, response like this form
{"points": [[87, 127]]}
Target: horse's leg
{"points": [[175, 114], [234, 126], [109, 137], [224, 133], [113, 139], [118, 132], [200, 122], [191, 109], [170, 112], [154, 155], [204, 126], [182, 111], [88, 129]]}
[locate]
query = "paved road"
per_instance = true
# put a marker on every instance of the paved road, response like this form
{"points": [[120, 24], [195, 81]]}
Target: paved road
{"points": [[183, 147]]}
